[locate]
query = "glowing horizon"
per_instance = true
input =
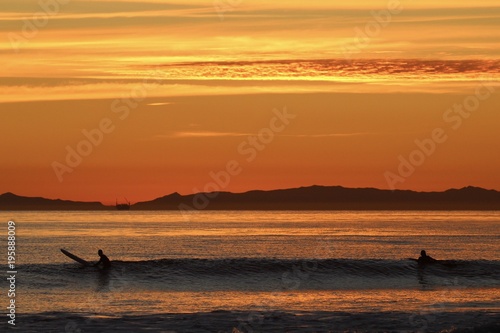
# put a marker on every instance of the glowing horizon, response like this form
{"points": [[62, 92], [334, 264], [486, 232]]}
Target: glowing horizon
{"points": [[184, 84]]}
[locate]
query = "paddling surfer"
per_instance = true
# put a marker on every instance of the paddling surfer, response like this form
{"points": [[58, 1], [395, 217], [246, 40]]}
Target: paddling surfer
{"points": [[106, 263], [425, 259]]}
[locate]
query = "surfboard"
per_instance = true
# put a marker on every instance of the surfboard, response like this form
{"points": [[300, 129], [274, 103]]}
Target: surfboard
{"points": [[75, 258]]}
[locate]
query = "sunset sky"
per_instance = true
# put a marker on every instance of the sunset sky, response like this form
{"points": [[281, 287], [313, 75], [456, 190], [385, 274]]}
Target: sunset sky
{"points": [[138, 99]]}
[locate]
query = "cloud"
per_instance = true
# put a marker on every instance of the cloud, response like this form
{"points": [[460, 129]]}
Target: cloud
{"points": [[159, 103], [358, 70], [222, 134], [196, 135], [14, 91], [331, 135], [206, 134]]}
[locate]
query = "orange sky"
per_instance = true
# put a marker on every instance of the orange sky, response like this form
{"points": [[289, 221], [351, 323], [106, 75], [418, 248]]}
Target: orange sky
{"points": [[173, 92]]}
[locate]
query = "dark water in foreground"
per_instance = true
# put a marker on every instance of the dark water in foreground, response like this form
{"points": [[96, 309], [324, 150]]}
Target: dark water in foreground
{"points": [[260, 274], [259, 271]]}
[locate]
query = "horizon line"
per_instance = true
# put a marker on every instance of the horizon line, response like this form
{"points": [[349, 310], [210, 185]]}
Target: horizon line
{"points": [[258, 190]]}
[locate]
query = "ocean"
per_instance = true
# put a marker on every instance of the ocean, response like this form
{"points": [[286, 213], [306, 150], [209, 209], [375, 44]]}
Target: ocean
{"points": [[253, 271]]}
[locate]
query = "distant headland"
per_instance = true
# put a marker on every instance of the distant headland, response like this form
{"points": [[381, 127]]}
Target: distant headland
{"points": [[303, 198]]}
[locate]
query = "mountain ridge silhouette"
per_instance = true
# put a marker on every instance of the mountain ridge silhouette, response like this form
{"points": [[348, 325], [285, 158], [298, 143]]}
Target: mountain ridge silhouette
{"points": [[315, 197]]}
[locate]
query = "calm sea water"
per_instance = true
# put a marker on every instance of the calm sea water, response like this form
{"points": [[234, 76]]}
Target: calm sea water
{"points": [[290, 261]]}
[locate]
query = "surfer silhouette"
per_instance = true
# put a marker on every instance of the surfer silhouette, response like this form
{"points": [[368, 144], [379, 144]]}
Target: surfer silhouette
{"points": [[106, 263], [425, 259]]}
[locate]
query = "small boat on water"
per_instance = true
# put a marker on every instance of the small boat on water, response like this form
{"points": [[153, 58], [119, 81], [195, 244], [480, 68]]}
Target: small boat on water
{"points": [[123, 206]]}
